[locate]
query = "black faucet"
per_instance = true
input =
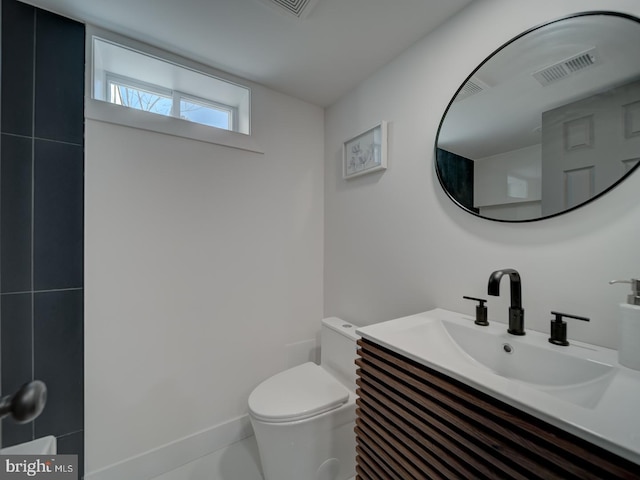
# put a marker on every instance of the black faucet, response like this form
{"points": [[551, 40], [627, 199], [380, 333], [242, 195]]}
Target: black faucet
{"points": [[516, 312]]}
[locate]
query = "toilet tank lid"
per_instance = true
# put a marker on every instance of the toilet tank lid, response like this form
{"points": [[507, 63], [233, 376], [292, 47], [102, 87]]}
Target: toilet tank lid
{"points": [[340, 326], [297, 393]]}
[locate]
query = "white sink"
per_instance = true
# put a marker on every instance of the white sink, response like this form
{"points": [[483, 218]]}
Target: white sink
{"points": [[549, 368], [39, 446], [580, 387], [511, 357]]}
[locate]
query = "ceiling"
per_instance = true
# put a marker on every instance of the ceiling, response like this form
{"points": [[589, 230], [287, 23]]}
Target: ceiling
{"points": [[317, 58]]}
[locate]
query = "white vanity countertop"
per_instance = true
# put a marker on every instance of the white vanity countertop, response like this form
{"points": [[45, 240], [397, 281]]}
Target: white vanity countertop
{"points": [[612, 421]]}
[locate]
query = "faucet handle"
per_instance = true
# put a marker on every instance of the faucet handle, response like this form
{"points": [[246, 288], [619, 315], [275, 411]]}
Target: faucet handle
{"points": [[481, 311], [559, 328]]}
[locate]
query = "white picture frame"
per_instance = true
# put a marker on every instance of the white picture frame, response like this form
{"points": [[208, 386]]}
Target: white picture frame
{"points": [[365, 153]]}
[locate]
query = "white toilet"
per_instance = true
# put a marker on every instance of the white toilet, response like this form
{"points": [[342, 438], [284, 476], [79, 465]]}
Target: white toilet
{"points": [[303, 418]]}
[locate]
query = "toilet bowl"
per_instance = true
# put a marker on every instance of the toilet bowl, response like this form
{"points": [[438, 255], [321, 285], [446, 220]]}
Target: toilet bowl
{"points": [[303, 418]]}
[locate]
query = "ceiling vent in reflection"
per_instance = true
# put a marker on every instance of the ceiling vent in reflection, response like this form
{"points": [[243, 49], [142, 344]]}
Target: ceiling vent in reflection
{"points": [[472, 87], [296, 8], [566, 67]]}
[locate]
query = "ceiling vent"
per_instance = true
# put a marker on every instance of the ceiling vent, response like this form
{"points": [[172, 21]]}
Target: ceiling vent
{"points": [[296, 8], [472, 87], [566, 67]]}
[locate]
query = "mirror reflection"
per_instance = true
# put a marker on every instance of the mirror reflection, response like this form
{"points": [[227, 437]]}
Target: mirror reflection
{"points": [[547, 123]]}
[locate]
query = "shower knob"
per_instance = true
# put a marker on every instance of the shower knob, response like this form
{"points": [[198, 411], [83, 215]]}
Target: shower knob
{"points": [[26, 404]]}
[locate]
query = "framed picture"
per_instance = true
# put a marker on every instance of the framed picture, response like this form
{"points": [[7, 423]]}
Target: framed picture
{"points": [[365, 153]]}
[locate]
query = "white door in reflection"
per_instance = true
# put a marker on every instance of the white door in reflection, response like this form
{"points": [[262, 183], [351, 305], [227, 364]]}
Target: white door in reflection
{"points": [[588, 145]]}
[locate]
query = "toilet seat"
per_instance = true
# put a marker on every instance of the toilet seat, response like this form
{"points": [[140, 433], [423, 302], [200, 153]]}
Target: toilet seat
{"points": [[295, 394]]}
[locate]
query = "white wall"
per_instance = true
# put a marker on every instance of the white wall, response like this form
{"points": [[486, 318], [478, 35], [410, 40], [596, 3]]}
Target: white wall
{"points": [[395, 244], [492, 184], [491, 176], [203, 263]]}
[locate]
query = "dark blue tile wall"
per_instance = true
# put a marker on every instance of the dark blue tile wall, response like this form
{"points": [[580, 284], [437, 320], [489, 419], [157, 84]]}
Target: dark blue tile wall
{"points": [[58, 360], [16, 212], [41, 219], [72, 443], [17, 68], [58, 226], [59, 76], [17, 358]]}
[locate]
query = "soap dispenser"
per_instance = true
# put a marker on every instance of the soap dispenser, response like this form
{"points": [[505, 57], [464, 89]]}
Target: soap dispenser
{"points": [[629, 326]]}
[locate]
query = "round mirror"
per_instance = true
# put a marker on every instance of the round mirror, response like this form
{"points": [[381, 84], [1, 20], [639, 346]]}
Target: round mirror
{"points": [[547, 123]]}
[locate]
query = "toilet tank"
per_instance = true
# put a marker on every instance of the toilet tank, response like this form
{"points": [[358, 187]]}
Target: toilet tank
{"points": [[338, 350]]}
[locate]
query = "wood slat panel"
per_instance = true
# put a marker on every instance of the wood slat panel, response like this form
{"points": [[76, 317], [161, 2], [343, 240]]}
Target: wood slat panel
{"points": [[482, 419], [445, 437], [537, 436], [398, 457], [410, 457], [415, 423], [382, 460], [444, 456], [430, 461], [363, 469], [457, 428], [367, 466], [527, 431]]}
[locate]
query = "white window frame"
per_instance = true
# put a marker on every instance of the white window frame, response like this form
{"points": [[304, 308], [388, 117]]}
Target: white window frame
{"points": [[101, 110]]}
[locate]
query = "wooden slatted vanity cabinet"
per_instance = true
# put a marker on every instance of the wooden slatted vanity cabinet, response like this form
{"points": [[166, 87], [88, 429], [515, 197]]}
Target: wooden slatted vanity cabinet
{"points": [[416, 423]]}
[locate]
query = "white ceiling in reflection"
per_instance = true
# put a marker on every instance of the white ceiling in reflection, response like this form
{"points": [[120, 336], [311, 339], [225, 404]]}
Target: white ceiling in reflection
{"points": [[506, 114]]}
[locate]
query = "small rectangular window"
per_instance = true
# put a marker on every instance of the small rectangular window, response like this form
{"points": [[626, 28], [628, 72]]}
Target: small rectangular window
{"points": [[148, 98], [207, 113], [131, 78]]}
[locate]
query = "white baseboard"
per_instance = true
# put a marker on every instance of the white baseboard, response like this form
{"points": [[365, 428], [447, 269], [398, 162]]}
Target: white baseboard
{"points": [[240, 461], [168, 457]]}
